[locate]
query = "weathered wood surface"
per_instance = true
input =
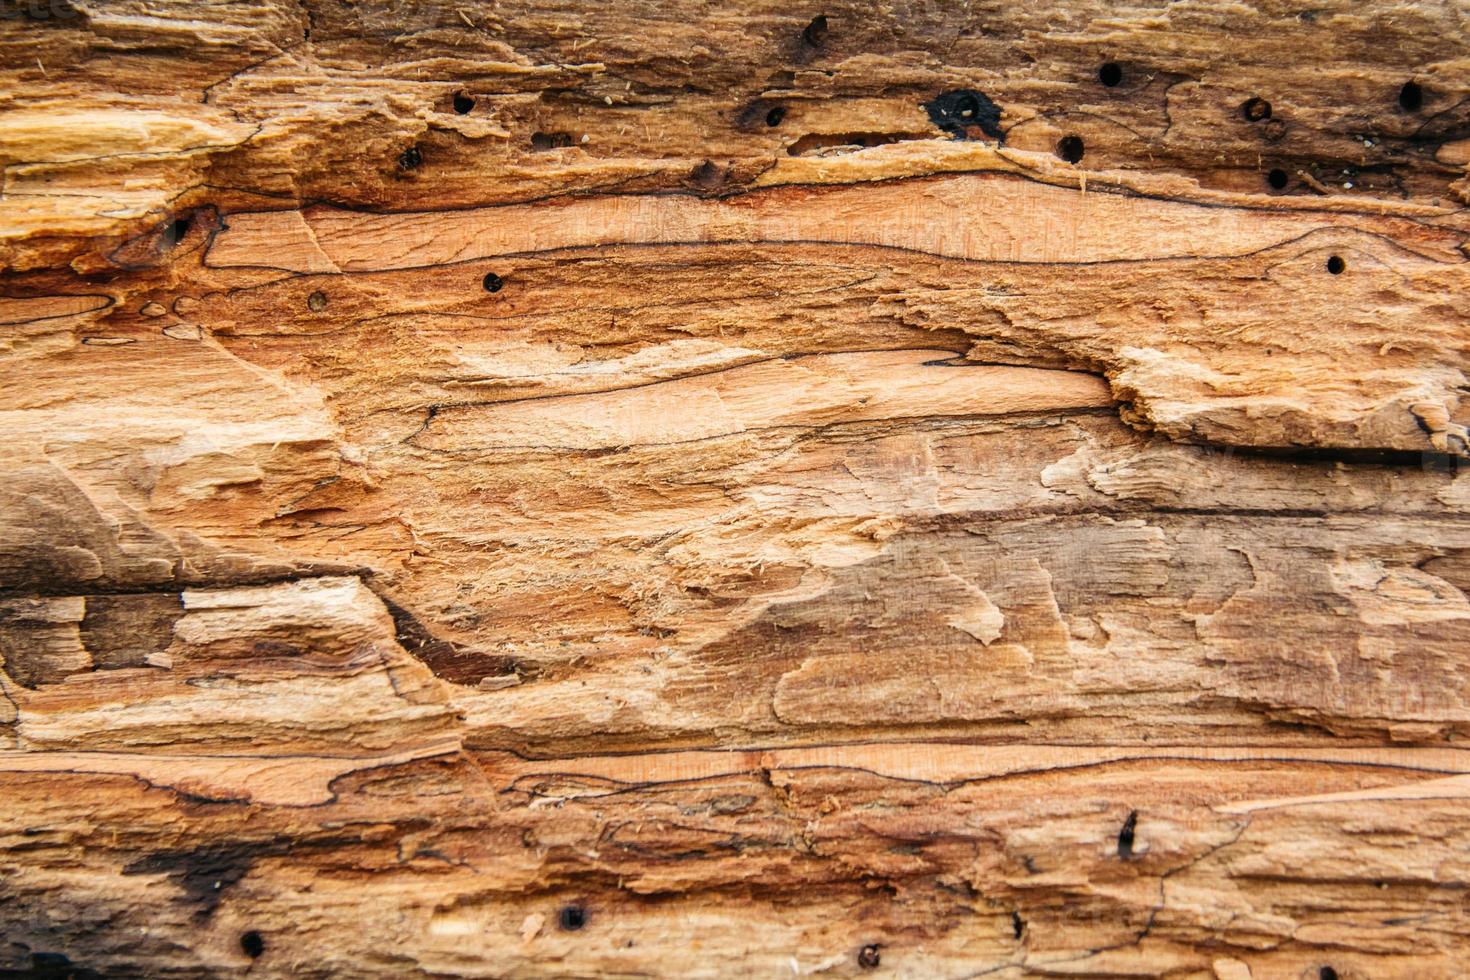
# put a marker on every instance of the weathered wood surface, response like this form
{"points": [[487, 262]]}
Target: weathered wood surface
{"points": [[555, 488]]}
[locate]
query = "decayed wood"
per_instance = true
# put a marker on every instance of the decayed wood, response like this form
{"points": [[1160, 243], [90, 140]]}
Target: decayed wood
{"points": [[555, 488]]}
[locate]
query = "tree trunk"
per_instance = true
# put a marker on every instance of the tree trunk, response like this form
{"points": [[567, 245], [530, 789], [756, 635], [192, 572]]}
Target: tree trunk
{"points": [[570, 488]]}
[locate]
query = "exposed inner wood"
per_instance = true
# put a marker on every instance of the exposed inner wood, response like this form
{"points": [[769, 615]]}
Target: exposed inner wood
{"points": [[566, 489]]}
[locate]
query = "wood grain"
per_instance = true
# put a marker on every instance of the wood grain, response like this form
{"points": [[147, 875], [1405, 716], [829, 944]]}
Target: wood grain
{"points": [[562, 489]]}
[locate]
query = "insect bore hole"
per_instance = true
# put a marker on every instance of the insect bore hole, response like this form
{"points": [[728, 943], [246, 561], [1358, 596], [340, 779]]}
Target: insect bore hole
{"points": [[317, 301], [1110, 74], [251, 944], [774, 117], [1126, 835], [1411, 97], [571, 918], [1336, 265], [869, 957], [463, 103], [493, 283], [815, 33], [1277, 179], [1255, 109], [540, 142], [1327, 973], [1071, 148], [172, 234]]}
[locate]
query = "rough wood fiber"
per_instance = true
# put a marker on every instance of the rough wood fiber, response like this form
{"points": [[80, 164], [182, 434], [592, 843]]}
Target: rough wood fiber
{"points": [[567, 488]]}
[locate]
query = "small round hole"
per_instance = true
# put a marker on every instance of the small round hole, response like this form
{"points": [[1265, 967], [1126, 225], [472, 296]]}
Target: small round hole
{"points": [[167, 236], [774, 117], [1255, 109], [410, 158], [1070, 148], [869, 957], [1110, 74], [815, 33], [572, 917], [175, 232], [1277, 179], [463, 103], [493, 283], [1411, 97], [1327, 973], [541, 142], [1336, 265], [317, 301], [252, 944]]}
